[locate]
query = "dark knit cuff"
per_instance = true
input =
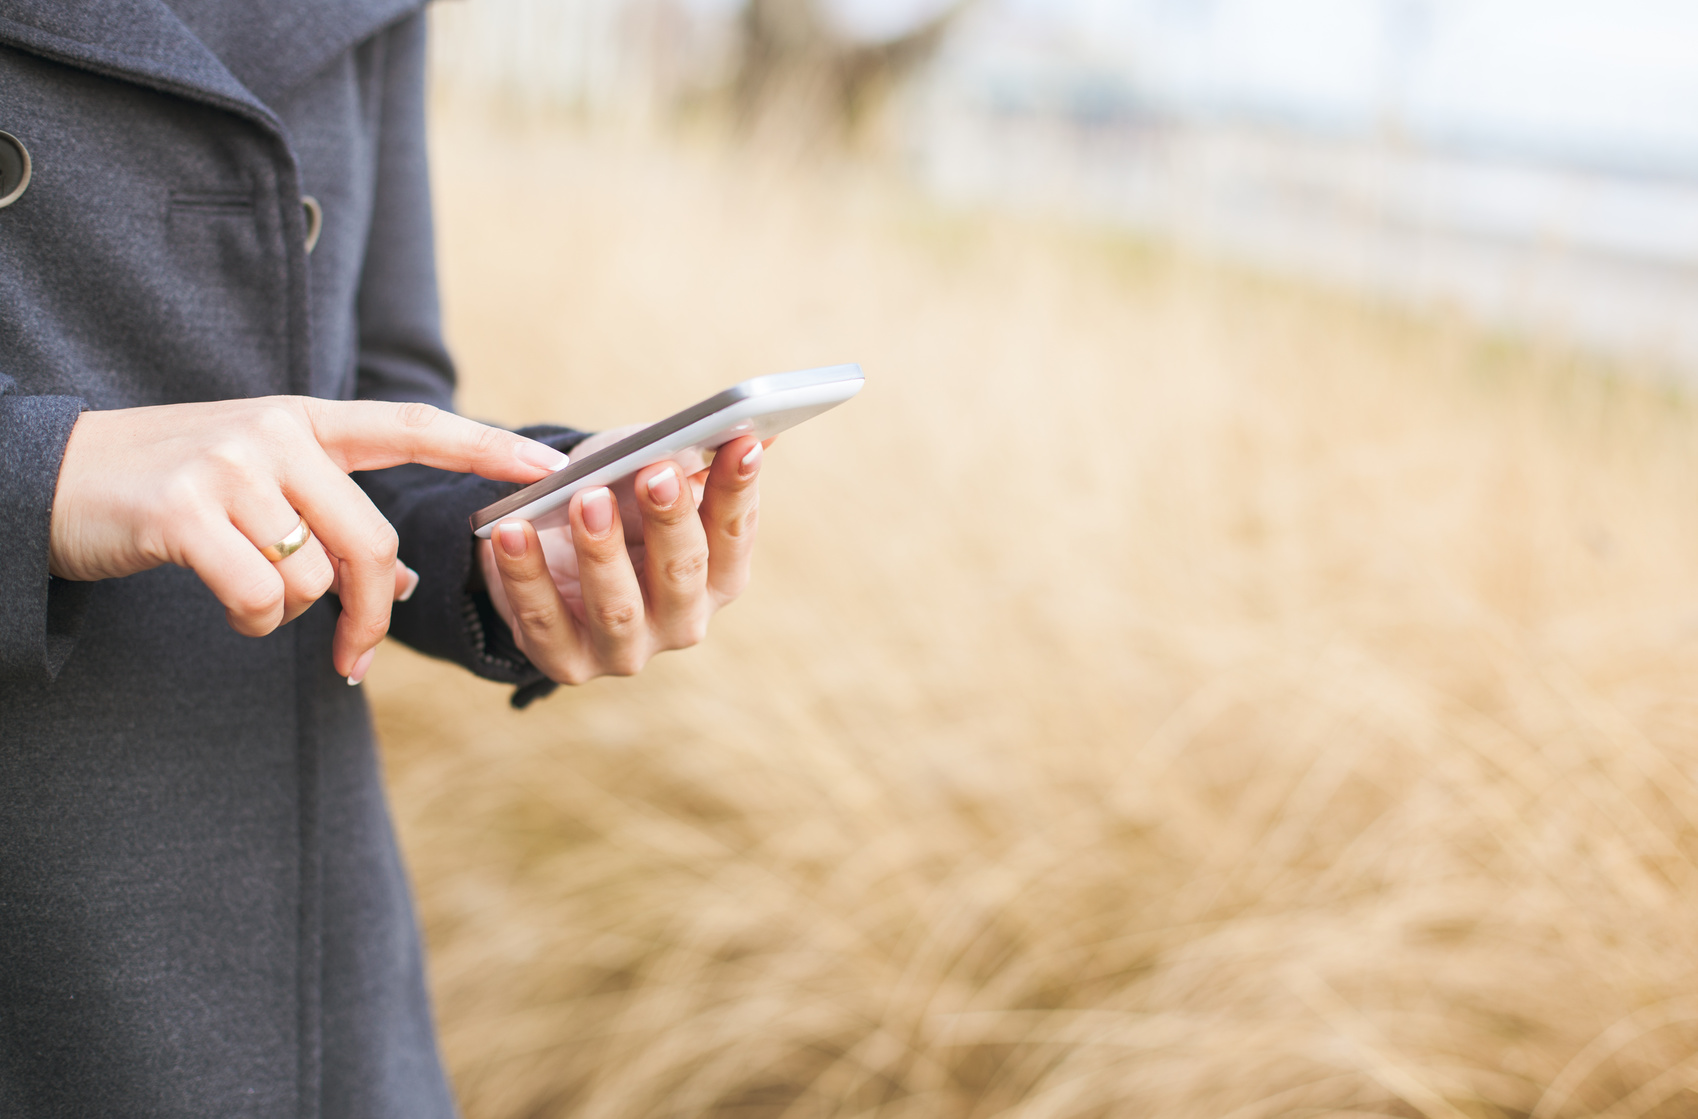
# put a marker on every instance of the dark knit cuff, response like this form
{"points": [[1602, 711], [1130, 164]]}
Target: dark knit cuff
{"points": [[39, 615], [450, 615]]}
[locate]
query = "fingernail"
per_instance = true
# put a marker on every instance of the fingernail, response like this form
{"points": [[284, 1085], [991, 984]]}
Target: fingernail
{"points": [[598, 510], [412, 584], [362, 666], [512, 536], [663, 488], [751, 461], [532, 453]]}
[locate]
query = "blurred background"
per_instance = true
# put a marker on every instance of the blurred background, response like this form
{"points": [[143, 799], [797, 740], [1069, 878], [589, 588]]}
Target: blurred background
{"points": [[1236, 658]]}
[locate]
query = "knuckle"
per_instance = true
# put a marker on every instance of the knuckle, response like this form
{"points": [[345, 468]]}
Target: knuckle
{"points": [[235, 466], [275, 422], [516, 573], [416, 414], [615, 616], [563, 666], [181, 496], [383, 544], [686, 569], [532, 617], [625, 662], [571, 674], [246, 625], [488, 441], [256, 602], [679, 512], [689, 633], [605, 552], [741, 525], [316, 583], [375, 627], [229, 454]]}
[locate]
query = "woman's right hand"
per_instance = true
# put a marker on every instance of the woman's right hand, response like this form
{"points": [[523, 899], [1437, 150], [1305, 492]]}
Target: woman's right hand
{"points": [[206, 486]]}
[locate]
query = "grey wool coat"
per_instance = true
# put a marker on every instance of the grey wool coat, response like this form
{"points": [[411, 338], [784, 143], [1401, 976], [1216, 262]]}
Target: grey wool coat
{"points": [[202, 909]]}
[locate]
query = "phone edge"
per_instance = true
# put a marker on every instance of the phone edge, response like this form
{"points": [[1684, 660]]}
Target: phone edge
{"points": [[743, 390]]}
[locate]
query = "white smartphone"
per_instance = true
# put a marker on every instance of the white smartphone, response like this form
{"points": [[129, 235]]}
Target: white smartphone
{"points": [[761, 406]]}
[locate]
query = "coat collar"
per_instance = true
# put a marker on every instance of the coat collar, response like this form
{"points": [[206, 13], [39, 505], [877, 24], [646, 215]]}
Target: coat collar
{"points": [[144, 41]]}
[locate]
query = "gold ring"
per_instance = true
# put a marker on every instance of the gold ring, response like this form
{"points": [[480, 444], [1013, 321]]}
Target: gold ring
{"points": [[290, 544]]}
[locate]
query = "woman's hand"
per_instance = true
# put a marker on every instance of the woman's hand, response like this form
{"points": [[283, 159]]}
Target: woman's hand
{"points": [[206, 486], [639, 569]]}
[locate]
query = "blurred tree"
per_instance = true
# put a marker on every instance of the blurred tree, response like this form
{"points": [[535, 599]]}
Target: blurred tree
{"points": [[799, 69]]}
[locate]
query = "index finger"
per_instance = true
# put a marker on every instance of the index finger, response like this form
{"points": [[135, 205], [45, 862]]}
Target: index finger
{"points": [[374, 434]]}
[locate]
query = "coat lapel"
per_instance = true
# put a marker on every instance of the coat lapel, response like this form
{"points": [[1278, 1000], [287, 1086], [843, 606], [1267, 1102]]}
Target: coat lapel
{"points": [[272, 47], [268, 50], [138, 40]]}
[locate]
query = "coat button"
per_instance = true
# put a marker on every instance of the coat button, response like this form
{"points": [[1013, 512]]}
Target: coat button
{"points": [[315, 219], [14, 169]]}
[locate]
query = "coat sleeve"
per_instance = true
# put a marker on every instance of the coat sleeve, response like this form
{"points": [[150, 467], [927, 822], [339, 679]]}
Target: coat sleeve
{"points": [[39, 615], [402, 357]]}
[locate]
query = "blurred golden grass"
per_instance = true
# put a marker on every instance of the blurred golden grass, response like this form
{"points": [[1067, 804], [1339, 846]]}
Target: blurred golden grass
{"points": [[1163, 692]]}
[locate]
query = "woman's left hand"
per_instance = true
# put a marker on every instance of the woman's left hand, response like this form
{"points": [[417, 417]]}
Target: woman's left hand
{"points": [[639, 569]]}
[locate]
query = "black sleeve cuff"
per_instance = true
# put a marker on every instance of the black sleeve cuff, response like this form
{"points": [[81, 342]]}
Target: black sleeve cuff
{"points": [[446, 618], [39, 615]]}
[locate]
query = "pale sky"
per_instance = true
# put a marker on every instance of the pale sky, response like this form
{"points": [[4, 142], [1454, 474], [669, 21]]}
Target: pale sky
{"points": [[1610, 80]]}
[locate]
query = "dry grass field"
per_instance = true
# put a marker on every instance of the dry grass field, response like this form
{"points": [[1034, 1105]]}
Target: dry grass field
{"points": [[1163, 692]]}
